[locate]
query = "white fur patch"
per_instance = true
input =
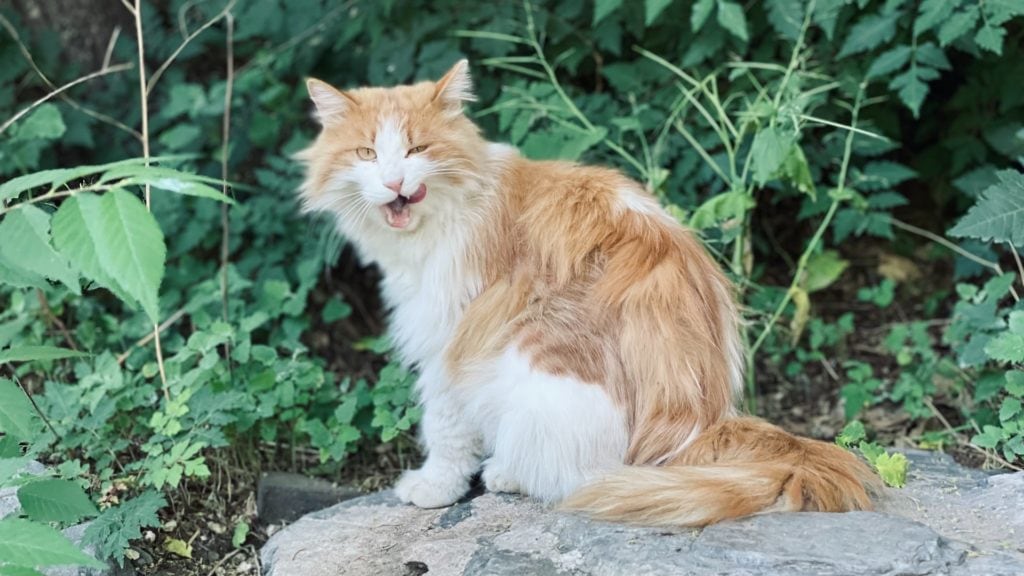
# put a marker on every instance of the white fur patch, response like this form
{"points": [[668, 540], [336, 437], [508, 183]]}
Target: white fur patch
{"points": [[547, 435]]}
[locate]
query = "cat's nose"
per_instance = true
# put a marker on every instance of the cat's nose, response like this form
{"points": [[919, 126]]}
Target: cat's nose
{"points": [[395, 185]]}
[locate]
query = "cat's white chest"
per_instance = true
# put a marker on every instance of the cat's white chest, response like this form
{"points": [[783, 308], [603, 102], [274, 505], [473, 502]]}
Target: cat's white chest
{"points": [[427, 301]]}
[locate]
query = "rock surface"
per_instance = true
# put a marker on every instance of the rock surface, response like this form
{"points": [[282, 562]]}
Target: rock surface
{"points": [[948, 520]]}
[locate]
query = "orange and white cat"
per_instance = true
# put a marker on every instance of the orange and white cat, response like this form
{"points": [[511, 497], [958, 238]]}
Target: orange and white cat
{"points": [[574, 342]]}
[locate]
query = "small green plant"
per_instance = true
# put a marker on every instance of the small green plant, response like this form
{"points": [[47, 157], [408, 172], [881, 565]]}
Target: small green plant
{"points": [[891, 467]]}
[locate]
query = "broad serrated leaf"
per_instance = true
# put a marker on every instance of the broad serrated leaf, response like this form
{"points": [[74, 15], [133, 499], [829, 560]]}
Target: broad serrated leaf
{"points": [[55, 500], [1006, 347], [911, 89], [44, 123], [700, 13], [602, 8], [732, 18], [653, 9], [25, 543], [768, 151], [869, 32], [892, 468], [59, 176], [172, 181], [1015, 383], [17, 416], [76, 238], [890, 61], [130, 248], [957, 25], [990, 437], [1009, 409], [998, 216], [990, 38], [786, 16], [931, 55], [826, 14], [852, 434], [933, 12], [823, 269], [25, 245]]}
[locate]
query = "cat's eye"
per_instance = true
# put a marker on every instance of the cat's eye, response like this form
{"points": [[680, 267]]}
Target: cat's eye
{"points": [[416, 150], [366, 153]]}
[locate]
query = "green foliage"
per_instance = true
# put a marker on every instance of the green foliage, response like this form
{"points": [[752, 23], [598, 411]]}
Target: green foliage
{"points": [[790, 134], [891, 467], [998, 216]]}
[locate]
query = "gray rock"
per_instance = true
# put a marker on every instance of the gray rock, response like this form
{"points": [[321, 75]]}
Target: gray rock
{"points": [[948, 521], [284, 496]]}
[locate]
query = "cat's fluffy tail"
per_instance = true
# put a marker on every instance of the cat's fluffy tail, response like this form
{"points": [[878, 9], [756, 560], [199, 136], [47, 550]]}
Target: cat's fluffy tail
{"points": [[736, 468]]}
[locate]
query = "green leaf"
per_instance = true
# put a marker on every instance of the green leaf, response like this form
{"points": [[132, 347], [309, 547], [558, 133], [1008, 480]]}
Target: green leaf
{"points": [[653, 9], [115, 527], [25, 244], [701, 12], [240, 534], [17, 416], [932, 12], [797, 170], [733, 204], [998, 216], [25, 543], [869, 32], [823, 269], [787, 17], [44, 123], [912, 90], [32, 353], [1006, 347], [178, 547], [1009, 409], [990, 437], [892, 468], [76, 236], [991, 38], [55, 500], [852, 434], [172, 181], [602, 8], [890, 61], [130, 248], [958, 25], [1015, 383], [768, 151], [732, 18], [55, 178]]}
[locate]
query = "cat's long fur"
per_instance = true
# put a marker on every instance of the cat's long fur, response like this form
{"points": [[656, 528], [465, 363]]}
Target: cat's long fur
{"points": [[574, 341]]}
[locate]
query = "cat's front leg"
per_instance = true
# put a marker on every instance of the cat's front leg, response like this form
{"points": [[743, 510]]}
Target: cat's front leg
{"points": [[453, 456]]}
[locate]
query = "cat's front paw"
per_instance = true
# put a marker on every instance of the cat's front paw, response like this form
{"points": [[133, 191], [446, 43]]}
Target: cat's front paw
{"points": [[426, 490], [497, 481]]}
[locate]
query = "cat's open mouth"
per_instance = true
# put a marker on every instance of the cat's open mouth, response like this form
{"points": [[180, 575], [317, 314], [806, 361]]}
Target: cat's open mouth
{"points": [[398, 213]]}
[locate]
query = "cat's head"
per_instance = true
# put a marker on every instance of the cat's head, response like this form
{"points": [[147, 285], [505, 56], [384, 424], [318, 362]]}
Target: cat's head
{"points": [[392, 158]]}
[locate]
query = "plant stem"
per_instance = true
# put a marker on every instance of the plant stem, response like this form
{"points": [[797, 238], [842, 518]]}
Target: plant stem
{"points": [[144, 102], [58, 91], [820, 232], [225, 221]]}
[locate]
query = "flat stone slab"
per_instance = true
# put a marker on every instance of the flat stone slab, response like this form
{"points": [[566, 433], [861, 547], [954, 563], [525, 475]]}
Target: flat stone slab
{"points": [[949, 520]]}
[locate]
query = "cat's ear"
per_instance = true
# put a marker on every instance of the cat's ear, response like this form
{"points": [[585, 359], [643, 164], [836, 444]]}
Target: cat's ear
{"points": [[455, 87], [330, 102]]}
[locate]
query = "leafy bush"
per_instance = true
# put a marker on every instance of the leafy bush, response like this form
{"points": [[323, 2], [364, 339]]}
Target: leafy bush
{"points": [[162, 242]]}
